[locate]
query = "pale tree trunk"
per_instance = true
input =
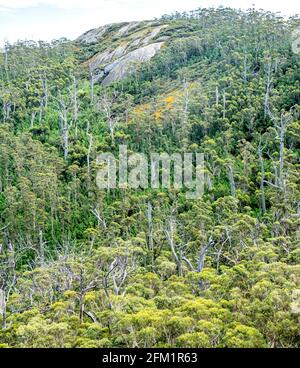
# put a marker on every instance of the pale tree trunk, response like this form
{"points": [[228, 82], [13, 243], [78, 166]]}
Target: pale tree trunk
{"points": [[245, 68], [262, 180], [202, 254], [64, 129], [75, 103], [224, 105], [8, 279], [6, 62], [217, 95], [92, 82], [105, 105], [185, 119], [89, 153], [112, 130], [268, 87], [33, 114], [3, 308], [281, 128], [65, 136], [41, 109], [201, 258], [231, 181], [170, 237], [150, 231], [42, 249], [45, 90]]}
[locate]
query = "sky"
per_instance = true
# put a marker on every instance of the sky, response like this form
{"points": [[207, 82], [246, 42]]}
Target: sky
{"points": [[52, 19]]}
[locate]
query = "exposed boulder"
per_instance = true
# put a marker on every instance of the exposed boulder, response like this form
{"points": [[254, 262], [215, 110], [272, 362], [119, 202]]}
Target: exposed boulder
{"points": [[96, 34], [127, 28], [123, 66], [128, 43], [106, 57], [153, 34], [93, 35]]}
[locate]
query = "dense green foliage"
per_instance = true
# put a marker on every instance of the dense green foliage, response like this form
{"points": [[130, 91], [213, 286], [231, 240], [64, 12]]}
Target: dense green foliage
{"points": [[80, 267]]}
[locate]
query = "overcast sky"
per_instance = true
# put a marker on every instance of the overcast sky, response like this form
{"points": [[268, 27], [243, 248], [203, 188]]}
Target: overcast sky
{"points": [[49, 19]]}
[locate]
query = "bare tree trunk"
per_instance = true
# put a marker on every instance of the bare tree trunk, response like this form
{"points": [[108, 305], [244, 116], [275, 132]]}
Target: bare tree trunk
{"points": [[218, 260], [65, 130], [268, 87], [224, 105], [245, 68], [150, 231], [170, 237], [262, 181], [92, 82], [185, 118], [66, 137], [217, 95], [112, 130], [33, 114], [3, 308], [282, 128], [8, 279], [75, 107], [105, 105], [81, 307], [6, 61], [89, 152], [41, 250], [45, 90], [231, 181], [202, 255], [281, 131], [41, 109]]}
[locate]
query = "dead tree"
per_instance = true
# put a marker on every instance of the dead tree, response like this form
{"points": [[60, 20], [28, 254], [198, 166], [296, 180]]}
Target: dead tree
{"points": [[281, 125], [262, 179], [269, 82], [89, 154], [75, 106], [65, 126], [202, 254], [170, 237], [115, 277], [201, 257], [7, 276], [105, 105], [231, 180], [92, 83], [150, 230]]}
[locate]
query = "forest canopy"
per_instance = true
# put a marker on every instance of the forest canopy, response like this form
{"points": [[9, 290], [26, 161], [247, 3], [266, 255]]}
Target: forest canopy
{"points": [[89, 268]]}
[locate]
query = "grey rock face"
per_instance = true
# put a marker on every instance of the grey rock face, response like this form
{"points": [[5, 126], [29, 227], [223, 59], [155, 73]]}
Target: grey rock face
{"points": [[93, 35], [153, 34], [129, 27], [123, 66], [131, 43], [107, 56]]}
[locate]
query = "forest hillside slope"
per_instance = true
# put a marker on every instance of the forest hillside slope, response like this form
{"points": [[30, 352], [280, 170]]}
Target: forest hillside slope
{"points": [[84, 267]]}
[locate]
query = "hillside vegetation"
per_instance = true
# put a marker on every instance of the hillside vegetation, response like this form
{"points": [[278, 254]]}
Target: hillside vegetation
{"points": [[83, 267]]}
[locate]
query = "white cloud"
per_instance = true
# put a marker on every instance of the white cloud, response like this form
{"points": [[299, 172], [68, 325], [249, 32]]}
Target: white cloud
{"points": [[63, 4], [287, 6], [2, 9]]}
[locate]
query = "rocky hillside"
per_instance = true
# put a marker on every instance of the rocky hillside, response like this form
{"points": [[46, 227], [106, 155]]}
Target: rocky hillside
{"points": [[148, 267], [118, 47]]}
